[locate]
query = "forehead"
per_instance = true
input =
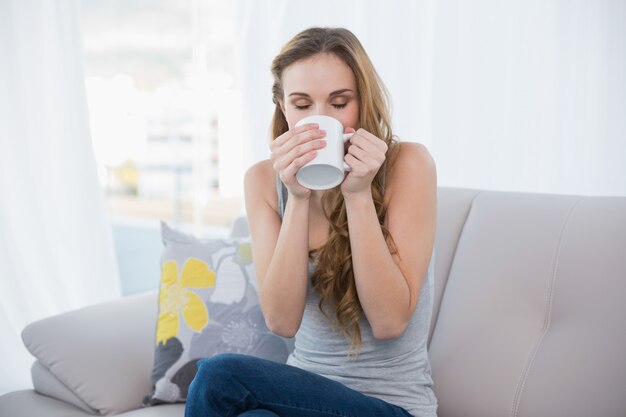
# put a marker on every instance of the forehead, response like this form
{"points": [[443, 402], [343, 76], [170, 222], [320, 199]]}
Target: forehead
{"points": [[319, 74]]}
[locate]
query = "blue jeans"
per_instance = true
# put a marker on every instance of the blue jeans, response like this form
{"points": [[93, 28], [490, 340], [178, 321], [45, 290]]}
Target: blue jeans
{"points": [[230, 385]]}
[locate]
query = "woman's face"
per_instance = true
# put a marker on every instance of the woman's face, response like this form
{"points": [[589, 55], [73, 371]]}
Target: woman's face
{"points": [[322, 84]]}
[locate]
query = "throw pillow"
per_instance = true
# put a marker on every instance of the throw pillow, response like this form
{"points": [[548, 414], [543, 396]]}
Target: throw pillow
{"points": [[208, 304]]}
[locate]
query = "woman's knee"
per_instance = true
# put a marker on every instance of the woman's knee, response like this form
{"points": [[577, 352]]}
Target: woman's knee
{"points": [[217, 371], [209, 367], [216, 386], [221, 367]]}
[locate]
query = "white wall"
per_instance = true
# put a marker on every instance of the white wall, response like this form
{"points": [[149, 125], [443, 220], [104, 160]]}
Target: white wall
{"points": [[511, 95]]}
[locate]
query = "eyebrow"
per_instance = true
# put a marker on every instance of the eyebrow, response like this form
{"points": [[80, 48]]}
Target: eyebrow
{"points": [[334, 93]]}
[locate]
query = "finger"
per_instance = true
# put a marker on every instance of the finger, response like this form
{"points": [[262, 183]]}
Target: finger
{"points": [[377, 149], [369, 137], [370, 162], [296, 152], [368, 147], [298, 139], [295, 165], [360, 154], [355, 164], [372, 158], [284, 138], [284, 156], [302, 149]]}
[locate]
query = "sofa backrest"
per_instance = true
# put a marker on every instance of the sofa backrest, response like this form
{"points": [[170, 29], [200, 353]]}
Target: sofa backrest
{"points": [[530, 305]]}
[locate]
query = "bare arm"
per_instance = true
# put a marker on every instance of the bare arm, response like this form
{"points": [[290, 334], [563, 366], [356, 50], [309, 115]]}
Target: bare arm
{"points": [[280, 254], [281, 248], [389, 285]]}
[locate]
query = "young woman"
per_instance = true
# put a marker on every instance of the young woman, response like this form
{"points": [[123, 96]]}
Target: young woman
{"points": [[347, 271]]}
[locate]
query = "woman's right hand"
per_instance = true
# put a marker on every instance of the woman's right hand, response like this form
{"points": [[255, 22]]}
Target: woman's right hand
{"points": [[291, 151]]}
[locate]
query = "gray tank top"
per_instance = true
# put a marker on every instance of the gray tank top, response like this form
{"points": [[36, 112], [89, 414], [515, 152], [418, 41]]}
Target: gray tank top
{"points": [[397, 370]]}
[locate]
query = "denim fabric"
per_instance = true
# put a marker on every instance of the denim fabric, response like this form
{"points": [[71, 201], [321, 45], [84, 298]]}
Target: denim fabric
{"points": [[230, 385]]}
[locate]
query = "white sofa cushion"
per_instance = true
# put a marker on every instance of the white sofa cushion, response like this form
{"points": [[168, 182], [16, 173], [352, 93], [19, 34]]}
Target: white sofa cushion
{"points": [[28, 403], [532, 318], [108, 366], [49, 385], [453, 205]]}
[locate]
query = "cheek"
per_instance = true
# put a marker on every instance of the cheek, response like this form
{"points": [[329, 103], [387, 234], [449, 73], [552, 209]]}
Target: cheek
{"points": [[292, 118], [350, 118]]}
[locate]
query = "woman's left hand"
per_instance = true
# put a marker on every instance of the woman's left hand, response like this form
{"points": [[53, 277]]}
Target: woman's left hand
{"points": [[366, 154]]}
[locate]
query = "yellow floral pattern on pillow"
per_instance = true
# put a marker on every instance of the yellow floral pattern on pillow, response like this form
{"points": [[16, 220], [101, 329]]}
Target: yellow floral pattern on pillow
{"points": [[208, 305], [243, 256], [176, 299]]}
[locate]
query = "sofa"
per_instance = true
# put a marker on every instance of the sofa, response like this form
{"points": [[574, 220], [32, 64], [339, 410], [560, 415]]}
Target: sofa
{"points": [[529, 319]]}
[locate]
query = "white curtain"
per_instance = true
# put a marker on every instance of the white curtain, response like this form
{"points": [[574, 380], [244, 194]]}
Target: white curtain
{"points": [[56, 246], [510, 95]]}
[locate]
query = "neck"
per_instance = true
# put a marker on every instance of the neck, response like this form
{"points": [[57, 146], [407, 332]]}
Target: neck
{"points": [[317, 194], [316, 198]]}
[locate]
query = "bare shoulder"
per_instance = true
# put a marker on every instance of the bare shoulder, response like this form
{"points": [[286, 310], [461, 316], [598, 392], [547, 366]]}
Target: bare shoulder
{"points": [[260, 171], [260, 183], [412, 167]]}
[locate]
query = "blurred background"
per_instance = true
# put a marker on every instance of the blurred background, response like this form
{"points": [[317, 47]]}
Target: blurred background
{"points": [[118, 114]]}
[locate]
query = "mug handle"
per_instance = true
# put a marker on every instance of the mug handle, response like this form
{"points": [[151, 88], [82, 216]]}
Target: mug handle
{"points": [[346, 137]]}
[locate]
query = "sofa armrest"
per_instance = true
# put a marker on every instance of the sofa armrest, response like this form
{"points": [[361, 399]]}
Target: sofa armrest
{"points": [[102, 353], [45, 383]]}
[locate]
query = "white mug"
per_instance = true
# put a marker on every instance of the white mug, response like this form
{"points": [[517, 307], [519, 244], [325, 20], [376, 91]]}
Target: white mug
{"points": [[328, 169]]}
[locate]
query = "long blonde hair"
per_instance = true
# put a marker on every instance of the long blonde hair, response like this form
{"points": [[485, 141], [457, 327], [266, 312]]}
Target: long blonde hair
{"points": [[333, 278]]}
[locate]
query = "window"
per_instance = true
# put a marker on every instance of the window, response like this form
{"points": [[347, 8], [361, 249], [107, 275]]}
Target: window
{"points": [[164, 109]]}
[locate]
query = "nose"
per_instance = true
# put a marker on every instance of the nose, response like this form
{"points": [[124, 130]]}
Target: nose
{"points": [[321, 111], [318, 109]]}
